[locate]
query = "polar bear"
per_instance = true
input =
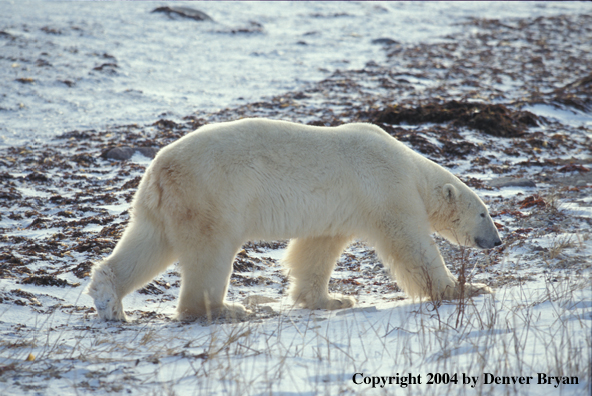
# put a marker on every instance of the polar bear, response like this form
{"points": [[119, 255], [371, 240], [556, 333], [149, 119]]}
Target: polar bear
{"points": [[206, 194]]}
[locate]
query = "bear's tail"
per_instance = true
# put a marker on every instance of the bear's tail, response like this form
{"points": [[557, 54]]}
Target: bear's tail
{"points": [[150, 190]]}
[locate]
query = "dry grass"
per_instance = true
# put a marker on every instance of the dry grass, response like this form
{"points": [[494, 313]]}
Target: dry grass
{"points": [[318, 352]]}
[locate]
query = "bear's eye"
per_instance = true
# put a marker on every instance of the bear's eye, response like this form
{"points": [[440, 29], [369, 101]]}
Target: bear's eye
{"points": [[483, 215]]}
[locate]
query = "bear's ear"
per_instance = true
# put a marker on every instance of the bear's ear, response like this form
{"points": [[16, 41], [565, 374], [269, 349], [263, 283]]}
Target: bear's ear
{"points": [[450, 192]]}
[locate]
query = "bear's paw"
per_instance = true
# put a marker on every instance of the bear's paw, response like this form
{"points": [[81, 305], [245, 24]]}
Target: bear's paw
{"points": [[229, 311], [466, 291], [335, 301]]}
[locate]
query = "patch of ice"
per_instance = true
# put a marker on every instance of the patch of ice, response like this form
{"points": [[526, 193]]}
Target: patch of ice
{"points": [[566, 116], [139, 158]]}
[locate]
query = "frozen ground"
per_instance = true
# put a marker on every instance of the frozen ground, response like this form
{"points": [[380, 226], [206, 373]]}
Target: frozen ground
{"points": [[63, 206]]}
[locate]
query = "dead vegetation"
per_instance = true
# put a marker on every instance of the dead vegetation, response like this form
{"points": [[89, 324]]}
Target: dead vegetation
{"points": [[492, 119]]}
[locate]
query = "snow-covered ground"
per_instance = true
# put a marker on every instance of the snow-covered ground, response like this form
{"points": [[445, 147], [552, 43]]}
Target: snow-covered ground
{"points": [[68, 65], [63, 206], [541, 328]]}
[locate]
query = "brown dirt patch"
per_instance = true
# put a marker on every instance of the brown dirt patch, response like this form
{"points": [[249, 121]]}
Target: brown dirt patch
{"points": [[493, 119]]}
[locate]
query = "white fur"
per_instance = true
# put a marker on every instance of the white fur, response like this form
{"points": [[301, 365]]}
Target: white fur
{"points": [[255, 179]]}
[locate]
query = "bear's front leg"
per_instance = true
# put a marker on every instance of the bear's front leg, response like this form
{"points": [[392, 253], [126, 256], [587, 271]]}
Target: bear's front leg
{"points": [[418, 267], [310, 262]]}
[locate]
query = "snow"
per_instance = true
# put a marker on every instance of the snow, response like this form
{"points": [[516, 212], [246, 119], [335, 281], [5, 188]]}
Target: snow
{"points": [[175, 67], [304, 352], [574, 117], [539, 321]]}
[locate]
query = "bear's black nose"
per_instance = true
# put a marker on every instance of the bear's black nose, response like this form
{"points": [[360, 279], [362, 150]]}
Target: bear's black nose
{"points": [[497, 243]]}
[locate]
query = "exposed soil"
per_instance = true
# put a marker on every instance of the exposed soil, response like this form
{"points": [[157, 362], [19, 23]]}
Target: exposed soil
{"points": [[493, 119]]}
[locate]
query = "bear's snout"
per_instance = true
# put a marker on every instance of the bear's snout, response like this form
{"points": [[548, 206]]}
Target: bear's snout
{"points": [[485, 244]]}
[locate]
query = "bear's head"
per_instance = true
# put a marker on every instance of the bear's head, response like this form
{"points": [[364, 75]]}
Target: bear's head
{"points": [[464, 218]]}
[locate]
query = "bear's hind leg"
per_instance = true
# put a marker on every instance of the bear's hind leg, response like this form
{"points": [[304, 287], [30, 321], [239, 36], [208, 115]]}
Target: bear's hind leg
{"points": [[310, 262], [205, 275], [139, 256]]}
